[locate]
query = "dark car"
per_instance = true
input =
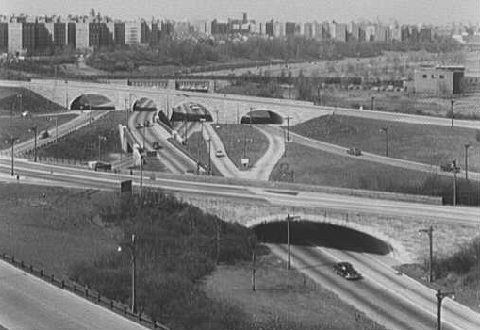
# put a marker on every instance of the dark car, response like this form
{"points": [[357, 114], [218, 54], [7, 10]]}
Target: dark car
{"points": [[346, 270], [449, 167], [354, 152], [157, 145]]}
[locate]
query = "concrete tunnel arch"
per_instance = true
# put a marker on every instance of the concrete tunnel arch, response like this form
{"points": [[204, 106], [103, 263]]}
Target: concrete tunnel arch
{"points": [[261, 116], [92, 102], [190, 111]]}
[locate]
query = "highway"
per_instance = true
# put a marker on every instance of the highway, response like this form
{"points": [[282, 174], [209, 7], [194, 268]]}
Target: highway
{"points": [[342, 151], [27, 302], [384, 295]]}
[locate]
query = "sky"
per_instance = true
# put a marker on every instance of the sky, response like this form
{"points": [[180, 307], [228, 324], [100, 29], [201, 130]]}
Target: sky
{"points": [[405, 11]]}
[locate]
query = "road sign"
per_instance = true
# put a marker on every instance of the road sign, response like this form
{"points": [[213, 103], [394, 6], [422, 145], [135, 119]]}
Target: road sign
{"points": [[245, 162]]}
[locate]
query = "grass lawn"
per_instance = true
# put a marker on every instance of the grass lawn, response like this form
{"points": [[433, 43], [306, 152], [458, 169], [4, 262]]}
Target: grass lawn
{"points": [[18, 126], [198, 148], [83, 144], [286, 297], [30, 101], [54, 232], [422, 143], [233, 137]]}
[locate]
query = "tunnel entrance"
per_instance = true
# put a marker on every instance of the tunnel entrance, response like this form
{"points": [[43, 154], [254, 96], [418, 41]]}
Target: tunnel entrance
{"points": [[262, 117], [190, 111], [144, 104], [92, 102], [321, 234]]}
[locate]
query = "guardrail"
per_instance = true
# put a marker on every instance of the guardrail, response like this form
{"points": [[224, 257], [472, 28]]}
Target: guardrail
{"points": [[85, 293]]}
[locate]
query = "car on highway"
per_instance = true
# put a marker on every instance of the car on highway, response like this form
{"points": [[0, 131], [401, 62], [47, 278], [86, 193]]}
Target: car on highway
{"points": [[346, 270], [157, 145], [139, 125], [449, 167], [146, 123], [354, 152], [220, 153]]}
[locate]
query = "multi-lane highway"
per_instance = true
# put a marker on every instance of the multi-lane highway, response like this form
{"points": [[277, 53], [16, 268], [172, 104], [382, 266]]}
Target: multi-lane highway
{"points": [[26, 302], [386, 296]]}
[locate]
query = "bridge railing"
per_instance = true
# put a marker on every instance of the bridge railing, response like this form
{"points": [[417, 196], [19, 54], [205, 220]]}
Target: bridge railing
{"points": [[84, 292]]}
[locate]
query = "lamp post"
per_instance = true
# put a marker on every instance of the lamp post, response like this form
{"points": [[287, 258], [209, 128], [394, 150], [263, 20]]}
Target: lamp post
{"points": [[371, 102], [34, 130], [141, 175], [451, 102], [429, 231], [385, 129], [250, 115], [467, 145], [289, 218], [132, 249], [440, 295], [11, 140], [209, 158], [288, 127], [454, 198], [66, 94], [100, 139]]}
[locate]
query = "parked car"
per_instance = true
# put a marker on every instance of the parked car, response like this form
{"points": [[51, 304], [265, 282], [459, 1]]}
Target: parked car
{"points": [[346, 270], [139, 125], [219, 153], [448, 167], [354, 152], [157, 145], [146, 123]]}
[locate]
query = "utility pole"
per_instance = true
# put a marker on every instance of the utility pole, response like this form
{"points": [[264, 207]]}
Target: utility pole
{"points": [[451, 101], [34, 130], [440, 295], [132, 249], [216, 111], [429, 231], [141, 175], [467, 145], [289, 218], [11, 141], [371, 102], [66, 94], [454, 198], [209, 160], [100, 139], [254, 267], [385, 129], [288, 127], [250, 116]]}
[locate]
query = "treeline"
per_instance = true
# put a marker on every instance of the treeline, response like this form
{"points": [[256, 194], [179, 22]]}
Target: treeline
{"points": [[176, 246], [191, 53]]}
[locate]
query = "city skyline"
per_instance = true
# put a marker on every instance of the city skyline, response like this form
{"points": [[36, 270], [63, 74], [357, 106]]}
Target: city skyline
{"points": [[404, 11]]}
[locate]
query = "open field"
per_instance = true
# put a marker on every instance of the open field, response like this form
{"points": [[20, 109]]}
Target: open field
{"points": [[288, 298], [198, 148], [240, 141], [30, 101], [422, 143], [18, 126], [51, 228], [83, 144], [311, 166]]}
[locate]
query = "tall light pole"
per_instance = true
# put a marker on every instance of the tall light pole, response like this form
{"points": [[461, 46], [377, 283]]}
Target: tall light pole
{"points": [[440, 295], [467, 145], [250, 115], [385, 129], [288, 127], [289, 218], [34, 130], [429, 231], [209, 156], [454, 198], [451, 102], [141, 175], [371, 102], [11, 140], [66, 94], [132, 249]]}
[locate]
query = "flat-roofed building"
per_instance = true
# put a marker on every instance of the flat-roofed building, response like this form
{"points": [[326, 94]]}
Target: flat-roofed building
{"points": [[133, 33], [82, 35], [3, 37], [439, 80], [59, 34]]}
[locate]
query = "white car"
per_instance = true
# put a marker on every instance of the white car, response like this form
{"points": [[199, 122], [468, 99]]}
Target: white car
{"points": [[219, 153]]}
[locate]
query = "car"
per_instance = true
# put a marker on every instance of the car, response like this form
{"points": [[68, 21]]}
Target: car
{"points": [[449, 167], [157, 145], [146, 123], [139, 125], [354, 152], [346, 270], [219, 153]]}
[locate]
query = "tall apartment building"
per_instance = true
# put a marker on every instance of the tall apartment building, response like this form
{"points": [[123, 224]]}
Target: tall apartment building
{"points": [[82, 35], [269, 28], [278, 29], [99, 35], [15, 37], [309, 29], [381, 33], [370, 33], [289, 29], [119, 33], [133, 33], [29, 36], [3, 37]]}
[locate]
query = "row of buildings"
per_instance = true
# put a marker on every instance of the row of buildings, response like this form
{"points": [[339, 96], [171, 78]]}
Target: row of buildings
{"points": [[34, 35]]}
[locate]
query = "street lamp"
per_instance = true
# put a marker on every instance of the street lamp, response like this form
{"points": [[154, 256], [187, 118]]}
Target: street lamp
{"points": [[34, 130], [288, 127], [289, 218], [467, 145], [385, 129], [440, 295], [131, 246], [451, 102], [371, 102], [11, 140], [141, 174], [100, 139], [429, 231], [209, 158], [454, 166]]}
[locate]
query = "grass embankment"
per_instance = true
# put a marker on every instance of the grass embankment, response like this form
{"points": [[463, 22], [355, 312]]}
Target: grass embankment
{"points": [[83, 144], [459, 272], [312, 166], [422, 143], [30, 101], [52, 228], [283, 299], [198, 149], [19, 126], [234, 137]]}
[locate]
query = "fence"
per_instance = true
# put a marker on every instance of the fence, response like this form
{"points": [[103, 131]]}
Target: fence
{"points": [[86, 293]]}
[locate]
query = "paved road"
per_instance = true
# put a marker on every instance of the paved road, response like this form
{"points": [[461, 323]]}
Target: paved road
{"points": [[262, 169], [28, 303], [389, 298], [342, 151]]}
